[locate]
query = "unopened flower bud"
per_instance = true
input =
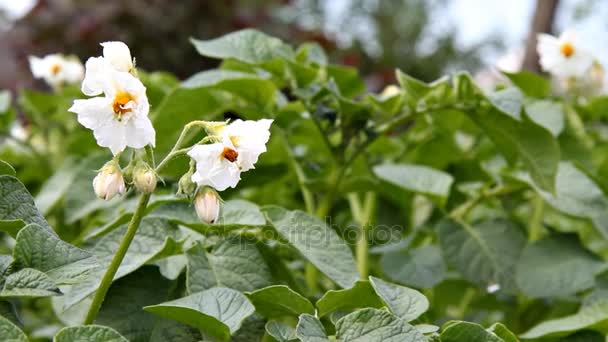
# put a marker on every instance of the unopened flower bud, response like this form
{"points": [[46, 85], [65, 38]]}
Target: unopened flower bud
{"points": [[186, 186], [390, 91], [207, 205], [109, 181], [144, 178]]}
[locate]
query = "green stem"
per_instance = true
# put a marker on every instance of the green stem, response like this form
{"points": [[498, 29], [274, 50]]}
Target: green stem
{"points": [[536, 223], [176, 151], [363, 216], [106, 281], [301, 177]]}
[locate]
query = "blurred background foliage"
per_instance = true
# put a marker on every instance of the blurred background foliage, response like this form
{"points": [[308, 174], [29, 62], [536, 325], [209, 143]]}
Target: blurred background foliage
{"points": [[375, 36]]}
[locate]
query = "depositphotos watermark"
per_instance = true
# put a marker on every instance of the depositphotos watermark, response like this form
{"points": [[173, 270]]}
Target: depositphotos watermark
{"points": [[325, 233]]}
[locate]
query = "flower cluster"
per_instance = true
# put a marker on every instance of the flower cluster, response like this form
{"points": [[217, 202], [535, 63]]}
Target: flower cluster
{"points": [[57, 69], [119, 118], [235, 149]]}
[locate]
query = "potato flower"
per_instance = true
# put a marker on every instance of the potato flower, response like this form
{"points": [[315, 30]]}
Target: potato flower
{"points": [[57, 69], [563, 56], [119, 119], [219, 165]]}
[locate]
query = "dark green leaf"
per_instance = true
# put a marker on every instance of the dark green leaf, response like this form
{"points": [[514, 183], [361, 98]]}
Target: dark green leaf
{"points": [[317, 242], [247, 45], [282, 332], [17, 207], [279, 300], [310, 329], [417, 178], [466, 331], [420, 267], [7, 169], [218, 311], [373, 325], [38, 248], [89, 333], [556, 267], [594, 317], [10, 332], [529, 83], [405, 303], [484, 254], [29, 282], [361, 295]]}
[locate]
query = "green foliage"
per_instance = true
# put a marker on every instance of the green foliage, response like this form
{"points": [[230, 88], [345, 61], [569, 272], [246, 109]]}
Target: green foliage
{"points": [[441, 212]]}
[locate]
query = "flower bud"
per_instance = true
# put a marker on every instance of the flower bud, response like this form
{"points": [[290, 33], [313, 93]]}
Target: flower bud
{"points": [[207, 205], [390, 91], [186, 186], [144, 178], [109, 181]]}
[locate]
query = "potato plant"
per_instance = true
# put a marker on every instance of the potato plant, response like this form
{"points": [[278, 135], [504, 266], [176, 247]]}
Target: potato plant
{"points": [[275, 199]]}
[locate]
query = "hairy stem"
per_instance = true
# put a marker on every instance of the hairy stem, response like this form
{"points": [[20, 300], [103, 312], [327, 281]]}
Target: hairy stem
{"points": [[106, 281]]}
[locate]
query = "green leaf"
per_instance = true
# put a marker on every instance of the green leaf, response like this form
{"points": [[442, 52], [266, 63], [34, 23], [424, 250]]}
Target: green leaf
{"points": [[17, 207], [7, 169], [310, 329], [503, 332], [29, 282], [577, 195], [421, 96], [361, 295], [420, 267], [484, 254], [593, 317], [247, 45], [533, 144], [556, 267], [529, 83], [548, 114], [218, 311], [466, 331], [129, 295], [584, 336], [250, 87], [10, 332], [405, 303], [317, 242], [373, 325], [38, 248], [235, 214], [232, 263], [347, 79], [279, 300], [89, 333], [55, 187], [155, 238], [280, 331], [417, 178]]}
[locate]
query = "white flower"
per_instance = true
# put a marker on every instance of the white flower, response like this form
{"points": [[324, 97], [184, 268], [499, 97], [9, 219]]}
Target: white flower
{"points": [[116, 56], [207, 205], [119, 119], [109, 182], [216, 166], [249, 139], [57, 69], [220, 164], [563, 56]]}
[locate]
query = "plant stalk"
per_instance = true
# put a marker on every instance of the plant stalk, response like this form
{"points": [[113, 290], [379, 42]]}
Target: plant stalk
{"points": [[108, 277]]}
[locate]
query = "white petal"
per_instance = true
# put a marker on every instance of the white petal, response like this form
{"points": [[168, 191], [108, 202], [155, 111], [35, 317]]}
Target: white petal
{"points": [[112, 134], [96, 74], [250, 138], [94, 112], [212, 169], [118, 55], [140, 132], [73, 71], [38, 66]]}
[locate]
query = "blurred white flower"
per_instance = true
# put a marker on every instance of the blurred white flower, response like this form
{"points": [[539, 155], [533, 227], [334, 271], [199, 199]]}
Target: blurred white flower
{"points": [[249, 139], [57, 69], [116, 56], [563, 56], [216, 165], [390, 91], [119, 119], [109, 182], [207, 205]]}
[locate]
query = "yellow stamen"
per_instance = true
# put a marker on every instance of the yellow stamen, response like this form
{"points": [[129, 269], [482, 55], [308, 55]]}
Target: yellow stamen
{"points": [[120, 101], [567, 49], [55, 69]]}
